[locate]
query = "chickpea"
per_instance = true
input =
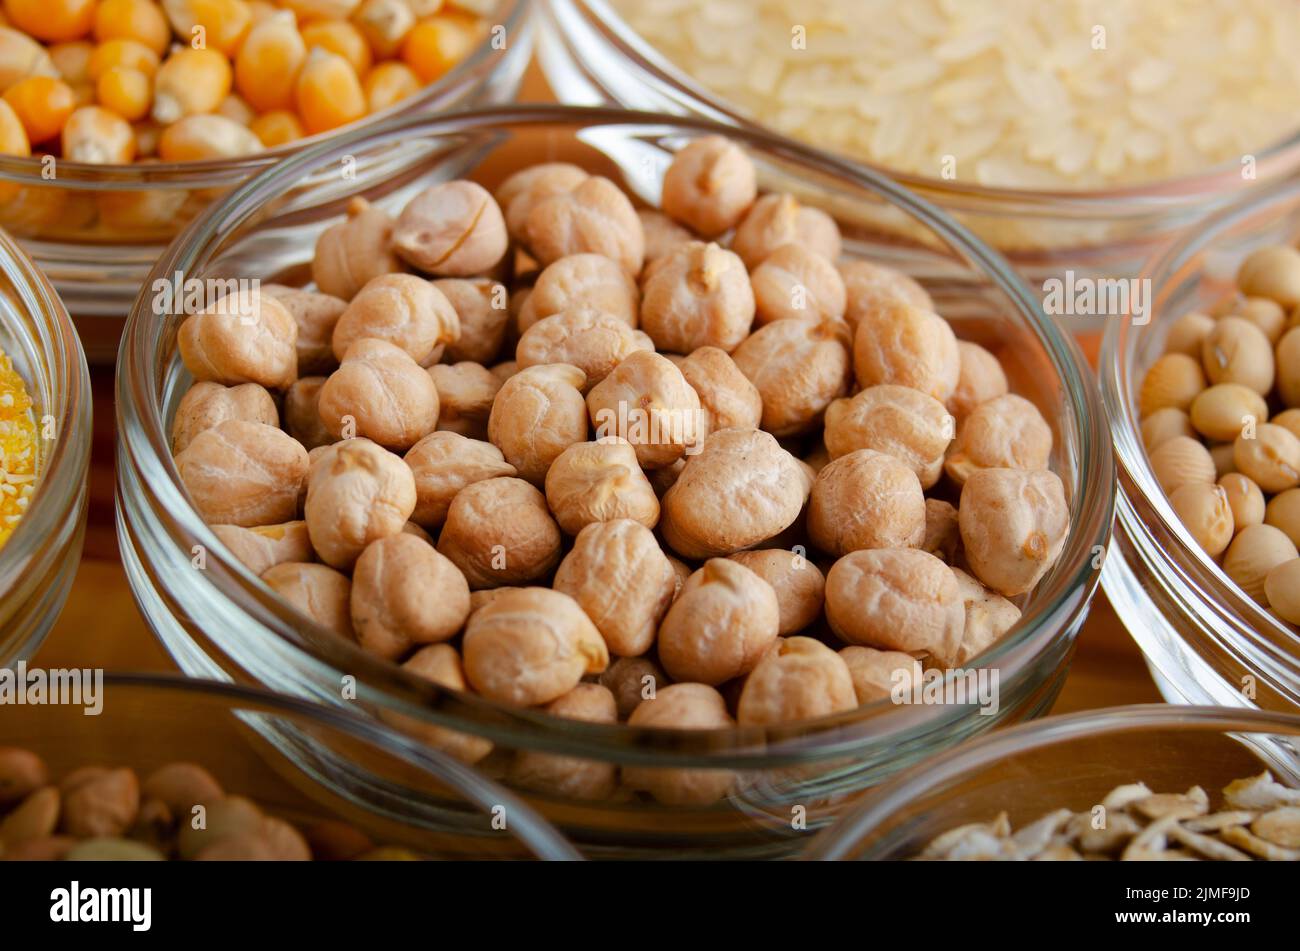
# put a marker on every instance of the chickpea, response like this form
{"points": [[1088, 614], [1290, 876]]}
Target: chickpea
{"points": [[794, 283], [99, 802], [1203, 508], [530, 646], [624, 582], [777, 220], [266, 546], [204, 405], [1182, 460], [315, 314], [521, 191], [402, 309], [709, 186], [870, 287], [942, 535], [728, 400], [231, 817], [1272, 272], [1174, 380], [599, 482], [682, 707], [357, 492], [1282, 589], [380, 393], [441, 665], [442, 464], [979, 380], [914, 601], [1236, 351], [22, 772], [355, 251], [571, 776], [1271, 457], [592, 280], [910, 347], [878, 674], [1288, 367], [538, 413], [740, 489], [799, 367], [35, 817], [1005, 433], [403, 593], [699, 295], [907, 424], [662, 234], [181, 787], [1187, 334], [631, 680], [452, 229], [481, 307], [721, 624], [1244, 498], [799, 585], [318, 591], [242, 473], [582, 336], [988, 618], [800, 678], [866, 499], [1256, 551], [646, 401], [1013, 526], [1163, 425], [241, 338], [466, 392], [499, 532], [302, 413], [1225, 409], [1283, 511], [593, 217]]}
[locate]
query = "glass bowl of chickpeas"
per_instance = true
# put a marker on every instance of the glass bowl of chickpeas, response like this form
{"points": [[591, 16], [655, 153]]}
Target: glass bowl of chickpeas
{"points": [[152, 767], [632, 477], [1202, 401], [120, 120], [45, 439]]}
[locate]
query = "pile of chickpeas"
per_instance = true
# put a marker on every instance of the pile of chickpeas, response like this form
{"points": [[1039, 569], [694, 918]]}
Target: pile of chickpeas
{"points": [[179, 811], [1220, 417], [691, 470], [113, 81]]}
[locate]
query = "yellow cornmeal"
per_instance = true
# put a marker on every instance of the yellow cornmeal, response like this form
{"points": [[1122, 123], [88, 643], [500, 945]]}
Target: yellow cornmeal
{"points": [[17, 448]]}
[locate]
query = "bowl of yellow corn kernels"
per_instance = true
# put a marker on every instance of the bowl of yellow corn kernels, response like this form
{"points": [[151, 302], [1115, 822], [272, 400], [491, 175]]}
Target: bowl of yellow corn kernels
{"points": [[45, 439], [120, 120]]}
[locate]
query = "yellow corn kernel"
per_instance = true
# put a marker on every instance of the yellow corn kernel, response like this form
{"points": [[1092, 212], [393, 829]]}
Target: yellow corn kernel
{"points": [[341, 37], [83, 94], [276, 128], [190, 82], [198, 138], [261, 10], [477, 8], [328, 93], [308, 10], [93, 134], [216, 24], [126, 91], [72, 60], [267, 64], [121, 53], [52, 20], [434, 47], [233, 107], [388, 84], [384, 24], [13, 137], [147, 132], [18, 448], [151, 210], [139, 20], [425, 8], [20, 57], [42, 105]]}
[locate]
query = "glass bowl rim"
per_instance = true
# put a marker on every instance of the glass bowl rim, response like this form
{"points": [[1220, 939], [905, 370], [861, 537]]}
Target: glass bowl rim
{"points": [[979, 754], [140, 423]]}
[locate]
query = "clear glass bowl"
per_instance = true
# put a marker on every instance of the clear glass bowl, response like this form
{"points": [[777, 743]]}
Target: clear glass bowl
{"points": [[591, 56], [1206, 640], [96, 230], [222, 621], [39, 561], [299, 761], [1063, 762]]}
